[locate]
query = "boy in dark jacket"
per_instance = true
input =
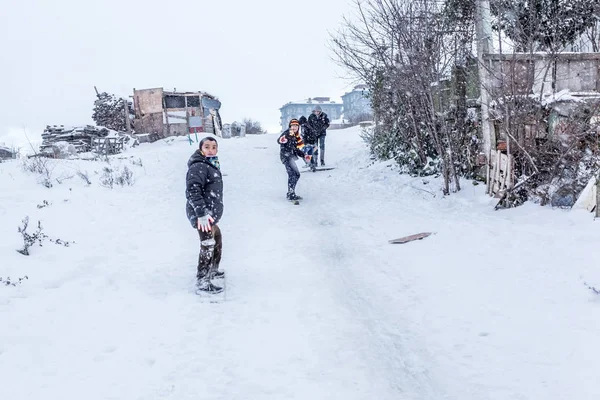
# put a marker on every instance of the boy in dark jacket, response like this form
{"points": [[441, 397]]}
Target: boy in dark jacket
{"points": [[291, 146], [318, 122], [310, 142], [204, 208]]}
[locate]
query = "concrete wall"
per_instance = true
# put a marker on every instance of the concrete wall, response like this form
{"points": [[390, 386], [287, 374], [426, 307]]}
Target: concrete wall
{"points": [[539, 72], [150, 123]]}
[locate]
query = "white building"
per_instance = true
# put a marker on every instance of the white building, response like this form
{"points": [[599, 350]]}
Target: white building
{"points": [[357, 106], [296, 109]]}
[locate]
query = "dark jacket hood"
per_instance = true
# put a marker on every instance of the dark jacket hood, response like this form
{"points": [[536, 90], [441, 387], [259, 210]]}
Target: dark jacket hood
{"points": [[196, 158]]}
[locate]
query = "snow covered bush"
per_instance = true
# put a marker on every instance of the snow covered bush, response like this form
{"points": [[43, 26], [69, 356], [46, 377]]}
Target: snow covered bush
{"points": [[555, 149], [84, 177], [120, 176], [41, 166], [30, 239], [9, 282], [44, 204]]}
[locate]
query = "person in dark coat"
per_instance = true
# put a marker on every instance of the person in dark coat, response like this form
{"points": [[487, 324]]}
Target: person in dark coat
{"points": [[291, 145], [204, 208], [310, 142], [318, 122]]}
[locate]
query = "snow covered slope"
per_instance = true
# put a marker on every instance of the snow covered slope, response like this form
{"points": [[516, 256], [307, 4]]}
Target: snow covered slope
{"points": [[319, 305]]}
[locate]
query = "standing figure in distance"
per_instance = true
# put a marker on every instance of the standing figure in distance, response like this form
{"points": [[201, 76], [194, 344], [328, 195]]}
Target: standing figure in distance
{"points": [[310, 142], [318, 122]]}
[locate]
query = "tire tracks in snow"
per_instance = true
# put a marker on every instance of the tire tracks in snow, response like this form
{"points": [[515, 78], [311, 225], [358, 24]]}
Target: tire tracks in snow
{"points": [[350, 259]]}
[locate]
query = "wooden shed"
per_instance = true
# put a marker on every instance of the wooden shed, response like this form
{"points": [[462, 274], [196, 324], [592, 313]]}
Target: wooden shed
{"points": [[163, 113], [7, 153]]}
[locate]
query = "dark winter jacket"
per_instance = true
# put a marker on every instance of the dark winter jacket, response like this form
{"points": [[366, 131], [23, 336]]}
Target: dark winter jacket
{"points": [[204, 189], [308, 135], [289, 149], [318, 124]]}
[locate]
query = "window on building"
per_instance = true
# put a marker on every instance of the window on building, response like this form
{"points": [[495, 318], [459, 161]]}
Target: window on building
{"points": [[175, 101], [193, 101]]}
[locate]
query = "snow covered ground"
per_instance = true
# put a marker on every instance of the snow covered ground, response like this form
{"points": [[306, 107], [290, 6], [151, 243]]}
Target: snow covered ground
{"points": [[319, 305]]}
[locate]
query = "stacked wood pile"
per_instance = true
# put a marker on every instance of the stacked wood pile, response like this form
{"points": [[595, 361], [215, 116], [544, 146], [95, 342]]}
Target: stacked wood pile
{"points": [[80, 137]]}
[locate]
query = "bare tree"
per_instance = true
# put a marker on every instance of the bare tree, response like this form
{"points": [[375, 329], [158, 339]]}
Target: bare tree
{"points": [[544, 25], [593, 35], [253, 127], [416, 58], [406, 51]]}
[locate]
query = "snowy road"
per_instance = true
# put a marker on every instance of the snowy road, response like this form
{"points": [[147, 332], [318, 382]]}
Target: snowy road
{"points": [[319, 305], [318, 327]]}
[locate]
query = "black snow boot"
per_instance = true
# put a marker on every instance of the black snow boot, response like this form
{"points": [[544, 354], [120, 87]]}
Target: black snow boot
{"points": [[293, 196], [204, 285]]}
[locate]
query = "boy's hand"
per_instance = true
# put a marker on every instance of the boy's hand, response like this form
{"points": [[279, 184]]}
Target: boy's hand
{"points": [[283, 140], [307, 157], [204, 223]]}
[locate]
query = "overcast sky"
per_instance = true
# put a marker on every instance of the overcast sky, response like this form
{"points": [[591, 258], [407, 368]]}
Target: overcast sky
{"points": [[254, 55]]}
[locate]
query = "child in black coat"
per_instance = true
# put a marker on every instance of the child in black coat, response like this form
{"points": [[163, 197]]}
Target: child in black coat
{"points": [[204, 208], [310, 143], [291, 146]]}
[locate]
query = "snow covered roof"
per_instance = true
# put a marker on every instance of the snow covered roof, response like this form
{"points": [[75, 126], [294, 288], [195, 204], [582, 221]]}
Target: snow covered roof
{"points": [[306, 102], [187, 93], [358, 88], [312, 101]]}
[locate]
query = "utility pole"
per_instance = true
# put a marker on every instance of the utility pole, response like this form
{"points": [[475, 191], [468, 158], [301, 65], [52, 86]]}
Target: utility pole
{"points": [[126, 111], [484, 46]]}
